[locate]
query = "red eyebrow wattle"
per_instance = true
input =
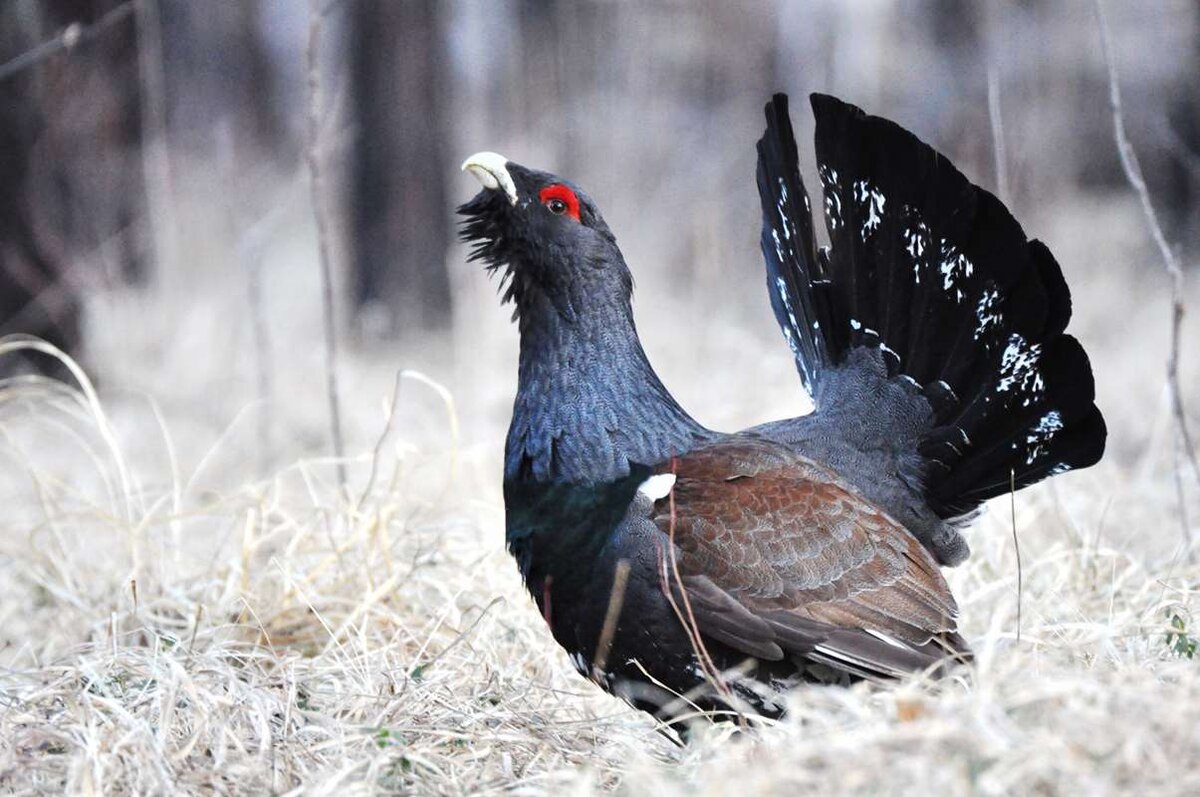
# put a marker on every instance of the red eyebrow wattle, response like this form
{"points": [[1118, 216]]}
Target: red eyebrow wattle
{"points": [[562, 192]]}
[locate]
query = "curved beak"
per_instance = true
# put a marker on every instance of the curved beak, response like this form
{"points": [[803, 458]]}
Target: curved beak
{"points": [[491, 169]]}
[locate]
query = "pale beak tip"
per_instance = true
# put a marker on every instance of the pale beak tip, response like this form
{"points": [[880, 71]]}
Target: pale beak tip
{"points": [[491, 170]]}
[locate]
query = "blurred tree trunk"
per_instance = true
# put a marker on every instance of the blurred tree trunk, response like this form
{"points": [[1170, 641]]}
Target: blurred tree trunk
{"points": [[399, 224], [220, 83], [35, 298], [71, 195]]}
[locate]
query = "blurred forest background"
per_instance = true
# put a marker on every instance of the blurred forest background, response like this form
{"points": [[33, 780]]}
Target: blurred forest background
{"points": [[157, 218]]}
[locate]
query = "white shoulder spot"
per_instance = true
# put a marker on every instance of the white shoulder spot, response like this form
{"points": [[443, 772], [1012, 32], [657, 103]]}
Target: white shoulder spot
{"points": [[657, 486]]}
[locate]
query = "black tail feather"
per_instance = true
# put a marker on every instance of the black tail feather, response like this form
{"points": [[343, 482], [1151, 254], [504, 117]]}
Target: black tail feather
{"points": [[936, 273], [794, 275]]}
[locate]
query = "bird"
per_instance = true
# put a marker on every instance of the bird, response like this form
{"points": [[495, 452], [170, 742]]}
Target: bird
{"points": [[700, 574]]}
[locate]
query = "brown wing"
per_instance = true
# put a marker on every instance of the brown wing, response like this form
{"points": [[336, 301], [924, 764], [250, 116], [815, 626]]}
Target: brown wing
{"points": [[776, 555]]}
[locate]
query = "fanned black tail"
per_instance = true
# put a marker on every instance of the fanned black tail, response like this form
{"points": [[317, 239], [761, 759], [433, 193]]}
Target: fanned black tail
{"points": [[935, 273], [796, 283]]}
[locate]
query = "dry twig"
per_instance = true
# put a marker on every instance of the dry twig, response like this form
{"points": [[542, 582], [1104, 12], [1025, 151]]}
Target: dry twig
{"points": [[616, 600], [1133, 173], [1012, 501], [998, 148], [69, 38], [686, 617], [156, 161], [316, 17]]}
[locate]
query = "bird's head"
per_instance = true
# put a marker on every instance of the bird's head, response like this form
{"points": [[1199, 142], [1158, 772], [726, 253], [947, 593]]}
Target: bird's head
{"points": [[546, 237]]}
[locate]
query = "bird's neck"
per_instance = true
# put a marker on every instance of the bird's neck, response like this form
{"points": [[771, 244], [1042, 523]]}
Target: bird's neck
{"points": [[588, 401]]}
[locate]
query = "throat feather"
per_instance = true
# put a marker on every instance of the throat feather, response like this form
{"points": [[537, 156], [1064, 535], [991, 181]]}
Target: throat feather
{"points": [[589, 406]]}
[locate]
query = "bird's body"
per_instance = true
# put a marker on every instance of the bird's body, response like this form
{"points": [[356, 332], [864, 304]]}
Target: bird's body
{"points": [[665, 556]]}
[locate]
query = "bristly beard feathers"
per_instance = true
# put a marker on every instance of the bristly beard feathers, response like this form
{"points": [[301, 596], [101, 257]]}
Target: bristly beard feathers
{"points": [[484, 230]]}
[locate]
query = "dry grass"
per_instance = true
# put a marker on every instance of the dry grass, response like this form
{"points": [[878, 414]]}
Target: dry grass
{"points": [[170, 623]]}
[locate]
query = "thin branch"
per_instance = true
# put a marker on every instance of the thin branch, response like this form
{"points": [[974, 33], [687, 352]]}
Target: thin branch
{"points": [[998, 148], [156, 159], [69, 38], [195, 627], [616, 600], [1012, 500], [377, 454], [686, 616], [250, 254], [250, 247], [316, 15], [1133, 173]]}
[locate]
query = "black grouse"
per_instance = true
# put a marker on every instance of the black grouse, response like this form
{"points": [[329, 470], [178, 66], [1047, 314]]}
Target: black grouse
{"points": [[685, 569]]}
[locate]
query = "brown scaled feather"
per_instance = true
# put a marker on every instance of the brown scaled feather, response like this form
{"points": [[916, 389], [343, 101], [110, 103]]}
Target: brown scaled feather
{"points": [[779, 557]]}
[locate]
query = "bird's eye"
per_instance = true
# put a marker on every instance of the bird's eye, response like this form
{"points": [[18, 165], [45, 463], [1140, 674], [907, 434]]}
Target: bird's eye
{"points": [[560, 200]]}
